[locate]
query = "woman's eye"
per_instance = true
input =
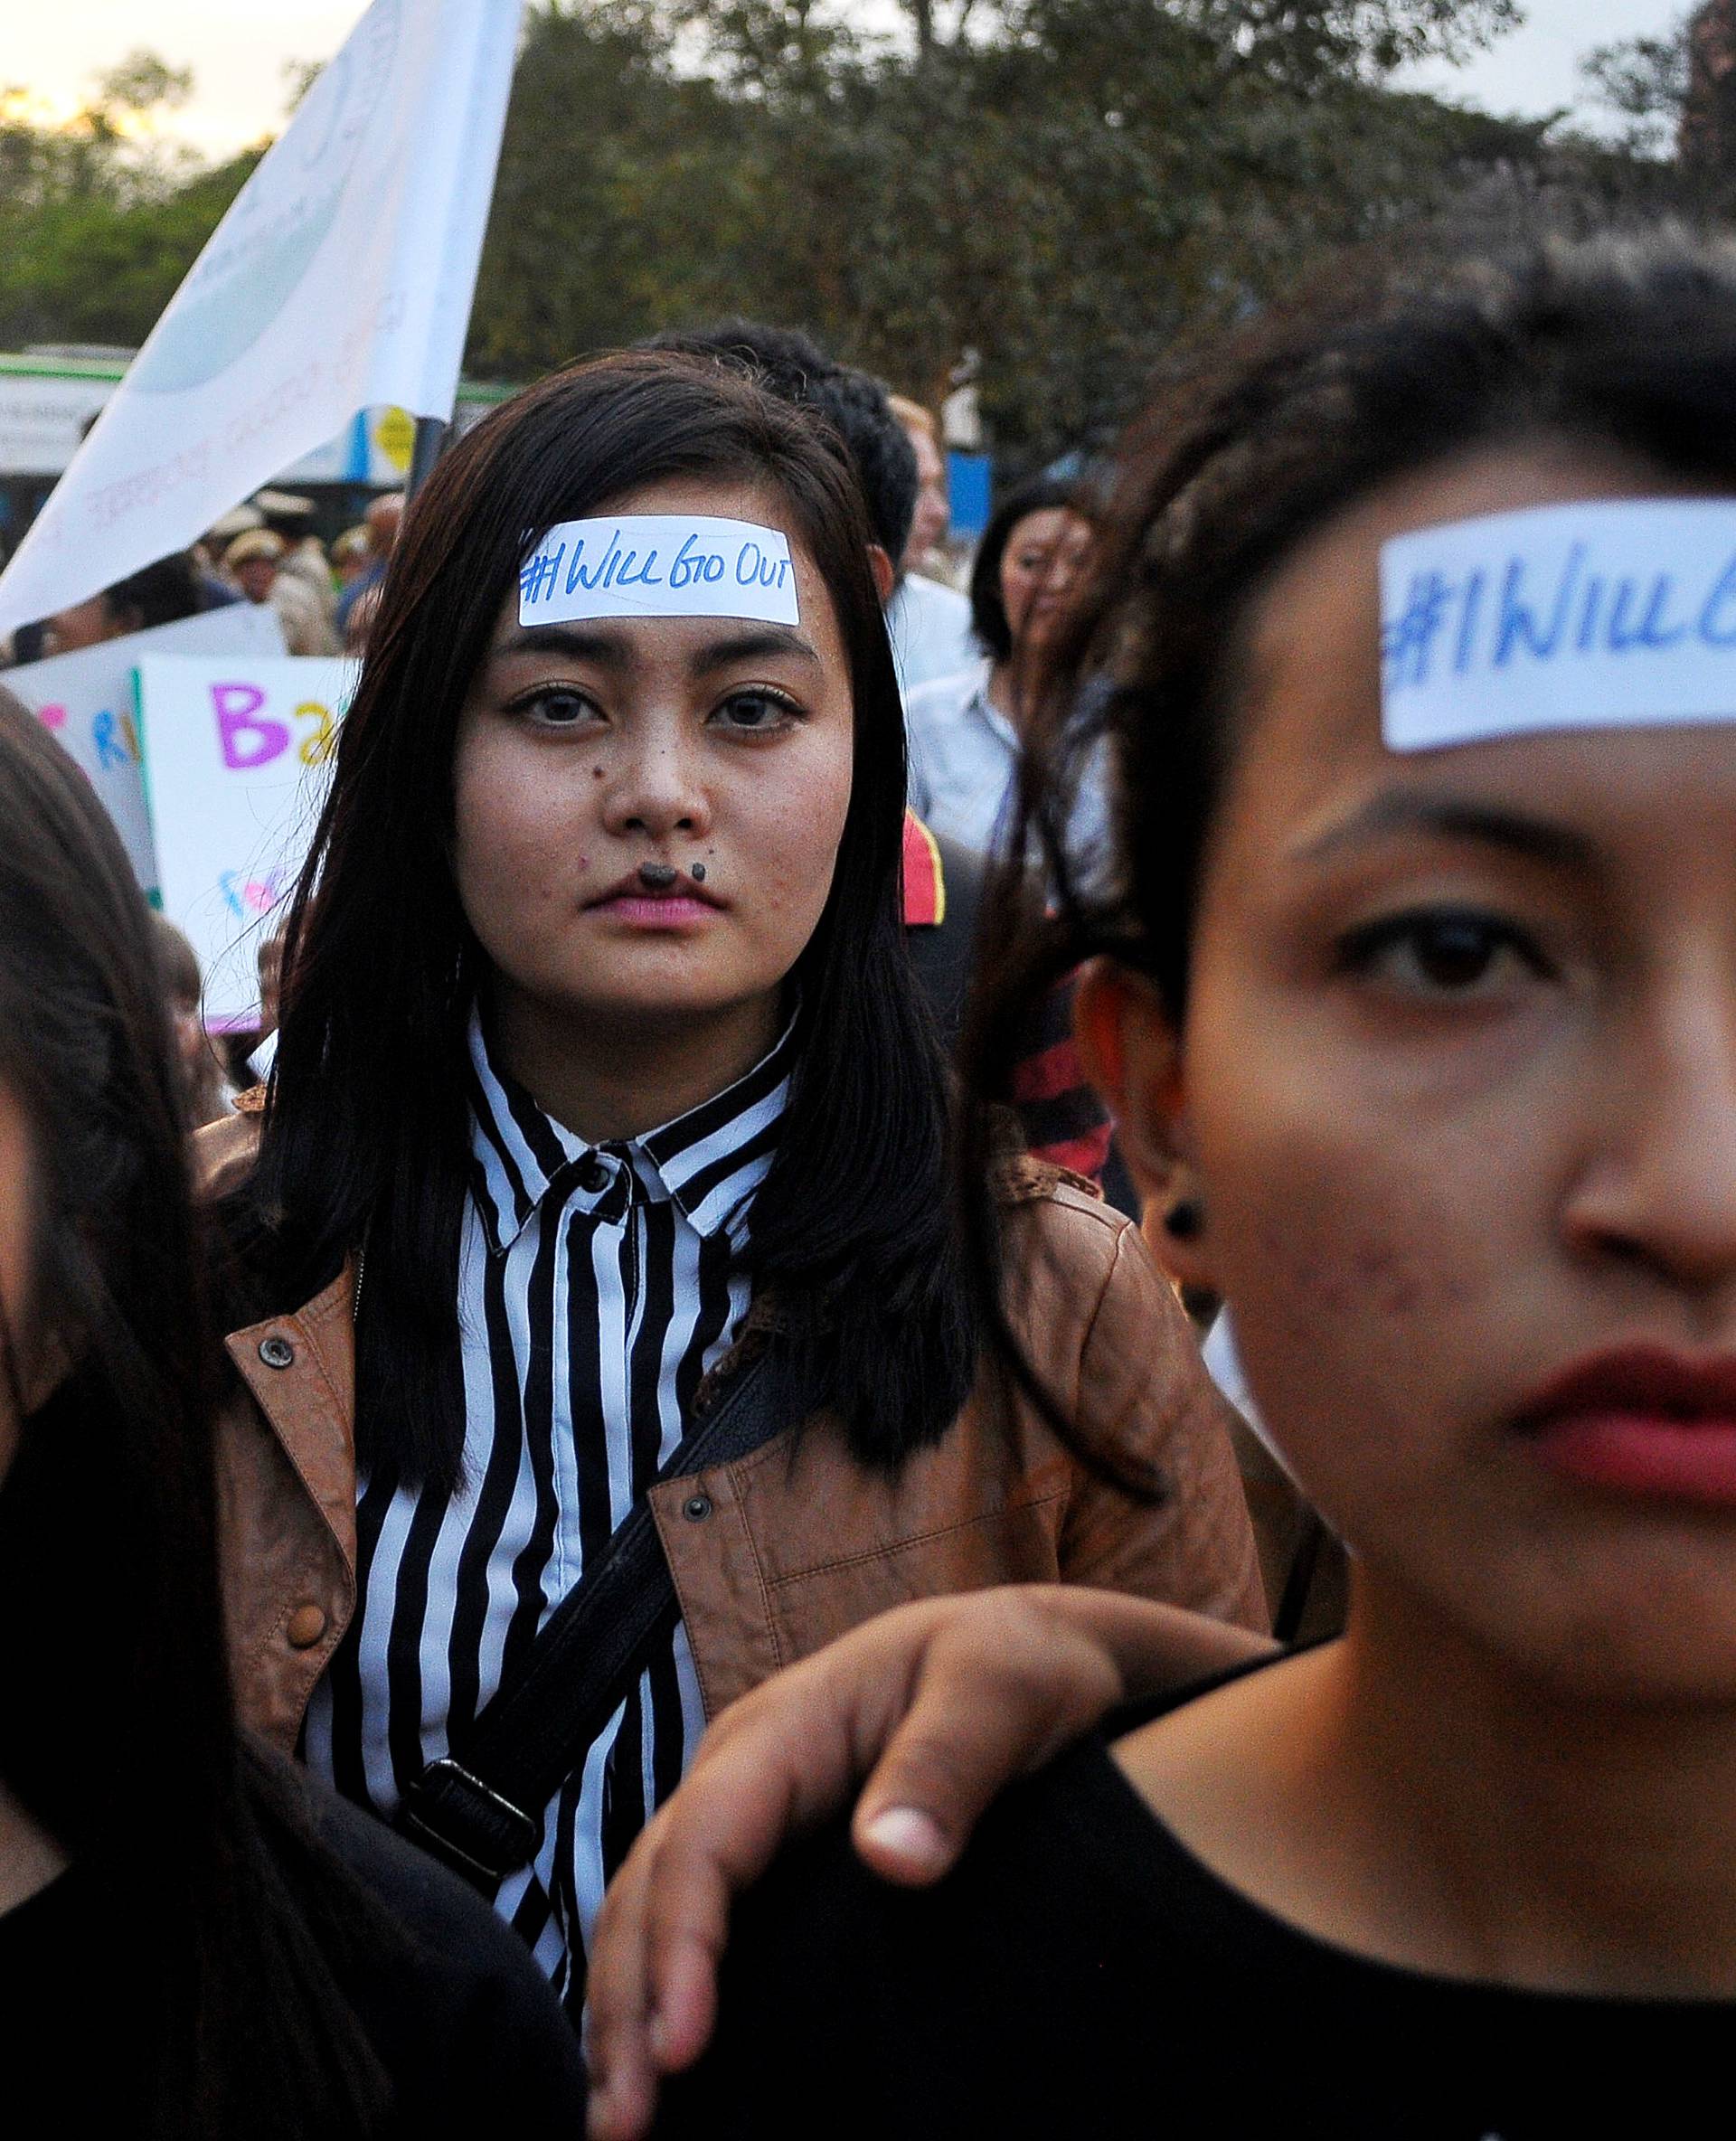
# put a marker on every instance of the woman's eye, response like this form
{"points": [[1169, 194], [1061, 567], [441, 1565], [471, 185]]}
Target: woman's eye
{"points": [[757, 712], [1443, 955], [557, 708]]}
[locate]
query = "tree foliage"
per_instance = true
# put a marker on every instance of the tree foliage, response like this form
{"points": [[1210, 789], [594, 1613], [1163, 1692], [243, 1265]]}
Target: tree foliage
{"points": [[99, 221], [1062, 186], [1058, 185]]}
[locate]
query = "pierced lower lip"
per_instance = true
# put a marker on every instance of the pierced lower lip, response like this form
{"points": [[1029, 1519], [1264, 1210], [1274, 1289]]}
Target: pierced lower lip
{"points": [[1644, 1453], [676, 910]]}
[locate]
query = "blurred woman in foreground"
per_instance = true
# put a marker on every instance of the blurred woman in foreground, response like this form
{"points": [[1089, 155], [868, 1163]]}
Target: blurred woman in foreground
{"points": [[1421, 1017], [195, 1941]]}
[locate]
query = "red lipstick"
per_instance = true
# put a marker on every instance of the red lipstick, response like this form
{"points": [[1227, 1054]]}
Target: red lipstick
{"points": [[1641, 1420]]}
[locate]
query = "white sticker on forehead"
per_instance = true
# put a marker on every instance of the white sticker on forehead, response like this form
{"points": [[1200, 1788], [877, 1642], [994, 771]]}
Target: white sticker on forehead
{"points": [[658, 565], [1618, 614]]}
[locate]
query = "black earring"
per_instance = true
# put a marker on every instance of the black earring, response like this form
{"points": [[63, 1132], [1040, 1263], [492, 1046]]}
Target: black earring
{"points": [[1186, 1219]]}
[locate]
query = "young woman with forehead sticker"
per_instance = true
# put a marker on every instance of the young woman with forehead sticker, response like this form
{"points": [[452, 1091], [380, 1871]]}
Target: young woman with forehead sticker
{"points": [[606, 1127], [1429, 1054]]}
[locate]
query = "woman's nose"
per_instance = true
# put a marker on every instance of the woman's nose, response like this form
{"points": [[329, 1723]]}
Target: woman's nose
{"points": [[657, 790], [1661, 1186]]}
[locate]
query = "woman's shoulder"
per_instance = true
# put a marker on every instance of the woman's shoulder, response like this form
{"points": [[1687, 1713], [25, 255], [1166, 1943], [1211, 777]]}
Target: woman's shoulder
{"points": [[1081, 1972], [1099, 1321], [929, 2001], [223, 1151]]}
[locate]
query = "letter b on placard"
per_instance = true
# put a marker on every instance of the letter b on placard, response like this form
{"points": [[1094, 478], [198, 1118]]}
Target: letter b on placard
{"points": [[248, 742]]}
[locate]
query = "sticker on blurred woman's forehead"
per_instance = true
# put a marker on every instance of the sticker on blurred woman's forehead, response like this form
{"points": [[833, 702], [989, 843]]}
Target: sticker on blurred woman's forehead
{"points": [[1615, 613], [658, 565]]}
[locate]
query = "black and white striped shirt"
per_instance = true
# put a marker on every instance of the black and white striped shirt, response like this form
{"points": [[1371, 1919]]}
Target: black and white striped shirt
{"points": [[597, 1285]]}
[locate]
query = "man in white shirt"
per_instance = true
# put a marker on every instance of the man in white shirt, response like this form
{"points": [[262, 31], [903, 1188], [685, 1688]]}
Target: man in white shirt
{"points": [[930, 622]]}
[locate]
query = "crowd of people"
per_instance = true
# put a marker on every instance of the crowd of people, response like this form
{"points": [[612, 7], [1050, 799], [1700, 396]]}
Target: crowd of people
{"points": [[263, 552], [690, 1306]]}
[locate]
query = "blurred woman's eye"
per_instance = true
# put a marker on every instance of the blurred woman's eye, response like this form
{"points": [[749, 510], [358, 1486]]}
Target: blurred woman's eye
{"points": [[1448, 953], [556, 706], [756, 713]]}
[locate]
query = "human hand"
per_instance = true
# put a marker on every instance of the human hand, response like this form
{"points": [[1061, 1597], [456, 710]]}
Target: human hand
{"points": [[940, 1704]]}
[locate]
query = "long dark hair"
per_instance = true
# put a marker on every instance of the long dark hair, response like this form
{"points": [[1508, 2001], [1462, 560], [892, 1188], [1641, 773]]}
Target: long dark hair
{"points": [[1618, 345], [366, 1138], [117, 1729], [988, 621]]}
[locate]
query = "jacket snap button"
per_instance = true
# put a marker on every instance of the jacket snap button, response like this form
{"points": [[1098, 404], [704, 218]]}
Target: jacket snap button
{"points": [[304, 1626], [277, 1353], [696, 1508]]}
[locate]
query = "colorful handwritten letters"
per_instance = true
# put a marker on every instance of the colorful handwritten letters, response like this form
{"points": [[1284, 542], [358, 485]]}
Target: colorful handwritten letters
{"points": [[233, 752], [86, 699], [658, 565], [1610, 614]]}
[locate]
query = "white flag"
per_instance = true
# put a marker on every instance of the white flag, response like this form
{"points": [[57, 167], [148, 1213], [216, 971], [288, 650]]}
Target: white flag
{"points": [[340, 279]]}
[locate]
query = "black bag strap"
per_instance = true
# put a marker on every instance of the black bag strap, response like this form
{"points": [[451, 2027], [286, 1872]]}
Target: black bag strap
{"points": [[479, 1807]]}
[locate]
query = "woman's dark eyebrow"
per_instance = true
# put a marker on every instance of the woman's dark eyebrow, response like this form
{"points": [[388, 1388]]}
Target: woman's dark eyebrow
{"points": [[754, 646], [559, 640], [1452, 817]]}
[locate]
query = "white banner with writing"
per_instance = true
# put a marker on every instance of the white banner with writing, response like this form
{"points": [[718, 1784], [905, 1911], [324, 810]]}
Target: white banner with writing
{"points": [[340, 279], [86, 698], [236, 753]]}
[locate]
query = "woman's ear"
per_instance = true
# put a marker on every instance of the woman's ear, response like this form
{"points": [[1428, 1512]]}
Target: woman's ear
{"points": [[1132, 1054], [884, 572]]}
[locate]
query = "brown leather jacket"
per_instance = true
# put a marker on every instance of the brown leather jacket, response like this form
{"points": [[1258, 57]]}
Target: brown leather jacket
{"points": [[776, 1554]]}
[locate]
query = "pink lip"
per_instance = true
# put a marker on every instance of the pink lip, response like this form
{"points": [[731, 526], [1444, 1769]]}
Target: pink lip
{"points": [[1641, 1420], [653, 910]]}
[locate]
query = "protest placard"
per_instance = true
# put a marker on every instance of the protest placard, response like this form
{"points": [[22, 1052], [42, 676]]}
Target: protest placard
{"points": [[235, 754], [86, 698]]}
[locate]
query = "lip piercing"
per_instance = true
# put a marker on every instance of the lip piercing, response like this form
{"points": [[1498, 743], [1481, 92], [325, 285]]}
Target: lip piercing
{"points": [[699, 872], [658, 877]]}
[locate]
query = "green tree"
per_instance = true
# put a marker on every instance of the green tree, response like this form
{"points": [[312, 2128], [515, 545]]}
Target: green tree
{"points": [[99, 220], [1061, 184]]}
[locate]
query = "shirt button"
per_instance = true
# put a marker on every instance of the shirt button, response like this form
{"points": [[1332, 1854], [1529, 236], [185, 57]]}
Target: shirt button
{"points": [[276, 1352], [696, 1508], [304, 1626], [593, 1176]]}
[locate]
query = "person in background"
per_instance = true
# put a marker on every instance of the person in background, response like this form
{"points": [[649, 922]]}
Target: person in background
{"points": [[196, 1939], [250, 1052], [206, 1089], [383, 520], [930, 622], [158, 594], [360, 624], [255, 563], [965, 729], [1060, 1118], [290, 517], [305, 558], [352, 554]]}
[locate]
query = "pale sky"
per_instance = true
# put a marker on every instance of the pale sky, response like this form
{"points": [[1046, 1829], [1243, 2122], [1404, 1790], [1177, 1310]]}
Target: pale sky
{"points": [[237, 50]]}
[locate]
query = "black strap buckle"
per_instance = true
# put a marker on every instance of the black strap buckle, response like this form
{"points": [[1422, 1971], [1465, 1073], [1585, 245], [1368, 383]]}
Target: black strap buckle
{"points": [[458, 1818]]}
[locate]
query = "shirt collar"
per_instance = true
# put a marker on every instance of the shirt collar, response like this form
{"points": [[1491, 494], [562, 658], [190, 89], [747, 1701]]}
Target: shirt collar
{"points": [[708, 1162], [980, 707]]}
